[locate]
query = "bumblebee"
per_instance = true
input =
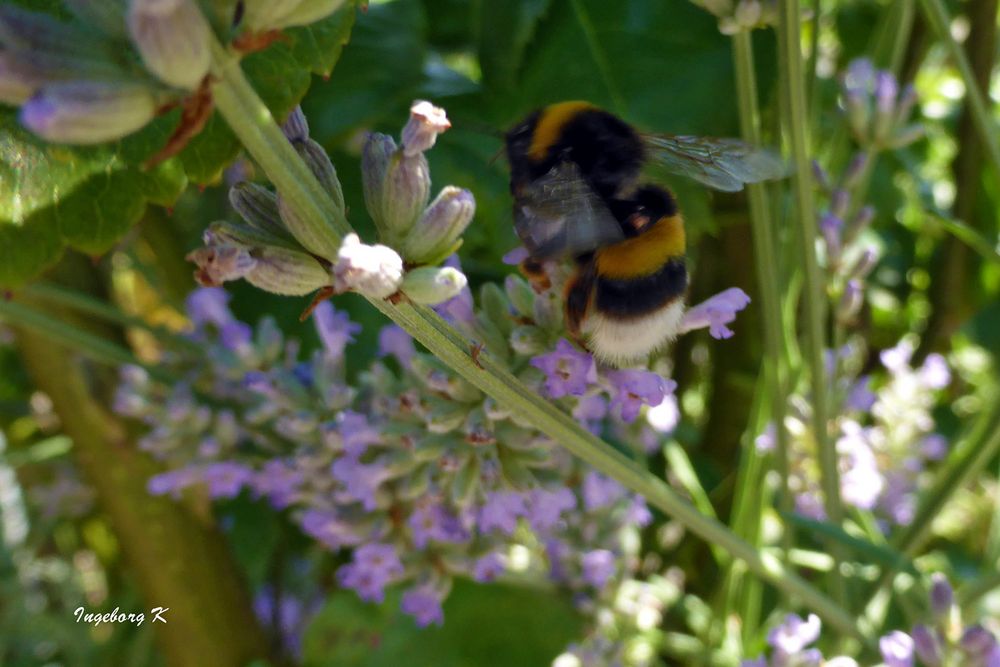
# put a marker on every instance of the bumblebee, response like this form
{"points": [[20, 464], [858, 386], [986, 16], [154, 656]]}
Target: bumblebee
{"points": [[575, 180]]}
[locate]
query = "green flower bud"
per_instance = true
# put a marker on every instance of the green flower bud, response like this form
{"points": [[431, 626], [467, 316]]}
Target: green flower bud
{"points": [[23, 73], [296, 127], [437, 232], [529, 340], [465, 483], [494, 305], [416, 484], [397, 187], [513, 470], [288, 272], [223, 232], [321, 243], [433, 285], [521, 296], [320, 165], [445, 416], [258, 206], [33, 32], [88, 112], [172, 37]]}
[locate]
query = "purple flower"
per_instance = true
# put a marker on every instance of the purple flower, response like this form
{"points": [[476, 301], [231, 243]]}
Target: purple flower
{"points": [[392, 340], [546, 507], [225, 479], [172, 482], [897, 649], [766, 441], [860, 397], [209, 305], [635, 388], [598, 567], [328, 528], [886, 90], [860, 77], [235, 335], [590, 410], [488, 567], [926, 645], [501, 511], [942, 596], [810, 505], [356, 433], [430, 522], [861, 482], [279, 481], [897, 359], [600, 491], [794, 634], [424, 604], [934, 447], [934, 373], [716, 312], [373, 567], [567, 370], [638, 513], [830, 226], [515, 256], [361, 479], [335, 328]]}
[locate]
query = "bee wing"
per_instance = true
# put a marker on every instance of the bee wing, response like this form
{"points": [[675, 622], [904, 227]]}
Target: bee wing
{"points": [[723, 164], [559, 215]]}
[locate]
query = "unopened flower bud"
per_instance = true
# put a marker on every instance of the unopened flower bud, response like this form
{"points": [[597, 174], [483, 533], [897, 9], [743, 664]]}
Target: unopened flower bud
{"points": [[850, 302], [433, 285], [420, 132], [221, 263], [886, 90], [436, 234], [855, 169], [747, 13], [840, 199], [396, 187], [720, 8], [977, 641], [864, 264], [35, 32], [906, 136], [529, 340], [372, 270], [296, 127], [942, 597], [521, 296], [820, 175], [15, 87], [258, 206], [830, 226], [86, 112], [288, 272], [322, 168], [907, 100], [172, 37], [23, 73], [926, 646], [224, 232]]}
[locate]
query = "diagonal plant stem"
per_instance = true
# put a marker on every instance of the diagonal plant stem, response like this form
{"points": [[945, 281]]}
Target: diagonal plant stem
{"points": [[937, 16], [253, 125], [815, 298]]}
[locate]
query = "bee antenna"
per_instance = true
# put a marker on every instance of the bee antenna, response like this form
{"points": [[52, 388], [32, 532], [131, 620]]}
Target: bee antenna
{"points": [[495, 157]]}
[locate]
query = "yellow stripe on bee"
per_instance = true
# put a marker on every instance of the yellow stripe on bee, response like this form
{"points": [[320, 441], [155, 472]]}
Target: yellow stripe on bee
{"points": [[645, 254], [550, 125]]}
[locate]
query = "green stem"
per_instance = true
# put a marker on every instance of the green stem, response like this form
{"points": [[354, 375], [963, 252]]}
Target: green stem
{"points": [[765, 250], [937, 16], [243, 110], [815, 293]]}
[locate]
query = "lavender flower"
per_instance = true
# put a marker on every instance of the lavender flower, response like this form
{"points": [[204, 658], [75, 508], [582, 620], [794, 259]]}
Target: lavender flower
{"points": [[567, 370], [374, 567], [716, 312], [335, 329], [424, 604], [634, 388]]}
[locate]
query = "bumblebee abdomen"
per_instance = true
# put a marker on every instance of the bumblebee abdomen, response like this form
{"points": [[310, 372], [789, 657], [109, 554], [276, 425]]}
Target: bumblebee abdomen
{"points": [[625, 298]]}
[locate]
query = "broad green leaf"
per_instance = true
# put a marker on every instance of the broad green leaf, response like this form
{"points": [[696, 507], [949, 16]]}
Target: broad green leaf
{"points": [[505, 28], [484, 625]]}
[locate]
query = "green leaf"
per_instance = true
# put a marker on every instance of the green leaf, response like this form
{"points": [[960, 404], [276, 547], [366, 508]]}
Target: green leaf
{"points": [[484, 625], [379, 73], [505, 28], [867, 552]]}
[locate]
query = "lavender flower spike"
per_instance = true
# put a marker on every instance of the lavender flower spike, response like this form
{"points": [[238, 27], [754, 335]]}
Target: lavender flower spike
{"points": [[716, 312]]}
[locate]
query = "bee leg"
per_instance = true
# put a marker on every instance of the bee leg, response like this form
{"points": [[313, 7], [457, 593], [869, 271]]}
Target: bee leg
{"points": [[577, 298]]}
